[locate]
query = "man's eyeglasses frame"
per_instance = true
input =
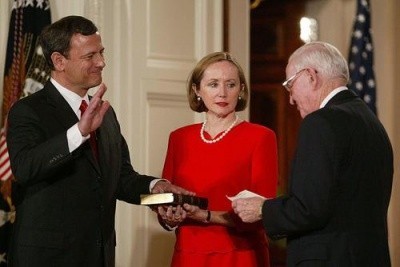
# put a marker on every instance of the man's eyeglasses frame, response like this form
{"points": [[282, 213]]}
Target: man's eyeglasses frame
{"points": [[288, 84]]}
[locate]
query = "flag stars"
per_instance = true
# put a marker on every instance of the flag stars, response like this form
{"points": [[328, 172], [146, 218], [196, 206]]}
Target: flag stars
{"points": [[367, 99], [15, 5], [354, 50], [358, 34], [371, 83], [359, 86], [362, 70], [29, 3], [364, 3], [361, 18], [42, 4]]}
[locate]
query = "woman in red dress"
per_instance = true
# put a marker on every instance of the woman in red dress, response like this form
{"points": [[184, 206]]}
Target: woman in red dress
{"points": [[218, 158]]}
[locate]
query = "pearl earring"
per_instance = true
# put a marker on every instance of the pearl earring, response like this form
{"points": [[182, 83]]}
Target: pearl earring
{"points": [[198, 98], [240, 98]]}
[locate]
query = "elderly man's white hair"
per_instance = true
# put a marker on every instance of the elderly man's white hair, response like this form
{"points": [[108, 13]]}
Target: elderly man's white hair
{"points": [[324, 58]]}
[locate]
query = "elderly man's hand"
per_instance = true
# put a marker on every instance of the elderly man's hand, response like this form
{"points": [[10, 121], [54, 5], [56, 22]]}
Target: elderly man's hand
{"points": [[248, 209]]}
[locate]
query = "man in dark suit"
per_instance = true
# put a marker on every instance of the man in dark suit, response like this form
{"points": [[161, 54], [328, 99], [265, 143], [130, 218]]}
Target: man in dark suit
{"points": [[335, 212], [67, 186]]}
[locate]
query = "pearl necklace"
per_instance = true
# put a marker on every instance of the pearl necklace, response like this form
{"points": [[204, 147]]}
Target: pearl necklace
{"points": [[219, 137]]}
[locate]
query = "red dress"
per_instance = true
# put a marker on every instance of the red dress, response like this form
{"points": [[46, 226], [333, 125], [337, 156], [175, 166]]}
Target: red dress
{"points": [[246, 158]]}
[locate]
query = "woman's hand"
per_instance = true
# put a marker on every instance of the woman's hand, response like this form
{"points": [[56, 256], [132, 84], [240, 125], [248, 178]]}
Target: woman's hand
{"points": [[195, 213], [172, 216]]}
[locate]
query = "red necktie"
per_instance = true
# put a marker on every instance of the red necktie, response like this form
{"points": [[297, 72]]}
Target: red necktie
{"points": [[92, 139]]}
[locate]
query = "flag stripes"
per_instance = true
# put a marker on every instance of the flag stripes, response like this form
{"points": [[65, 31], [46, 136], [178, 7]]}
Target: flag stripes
{"points": [[5, 167]]}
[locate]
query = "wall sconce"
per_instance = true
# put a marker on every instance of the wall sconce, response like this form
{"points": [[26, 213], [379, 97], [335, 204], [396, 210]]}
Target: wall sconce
{"points": [[308, 29]]}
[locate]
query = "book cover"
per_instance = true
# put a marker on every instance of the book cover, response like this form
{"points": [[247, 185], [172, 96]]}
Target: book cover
{"points": [[173, 199]]}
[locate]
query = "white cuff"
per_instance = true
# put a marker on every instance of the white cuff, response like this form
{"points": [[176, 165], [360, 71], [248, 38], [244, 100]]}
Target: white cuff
{"points": [[75, 138]]}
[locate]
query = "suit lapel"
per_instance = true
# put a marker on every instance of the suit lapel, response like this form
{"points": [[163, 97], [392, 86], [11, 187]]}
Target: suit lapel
{"points": [[60, 107]]}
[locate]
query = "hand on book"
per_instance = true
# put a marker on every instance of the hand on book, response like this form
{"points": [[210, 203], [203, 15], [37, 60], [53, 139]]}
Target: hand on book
{"points": [[163, 186]]}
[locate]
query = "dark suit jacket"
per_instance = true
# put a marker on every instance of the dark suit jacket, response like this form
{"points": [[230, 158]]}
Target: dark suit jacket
{"points": [[66, 201], [335, 213]]}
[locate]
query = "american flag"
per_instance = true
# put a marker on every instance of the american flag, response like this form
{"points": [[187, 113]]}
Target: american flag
{"points": [[25, 72], [362, 77], [5, 168]]}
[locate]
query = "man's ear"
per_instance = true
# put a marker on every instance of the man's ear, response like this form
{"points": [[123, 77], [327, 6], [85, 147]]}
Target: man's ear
{"points": [[58, 61], [313, 76]]}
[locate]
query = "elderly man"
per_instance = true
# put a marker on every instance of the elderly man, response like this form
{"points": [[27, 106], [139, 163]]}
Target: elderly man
{"points": [[335, 212]]}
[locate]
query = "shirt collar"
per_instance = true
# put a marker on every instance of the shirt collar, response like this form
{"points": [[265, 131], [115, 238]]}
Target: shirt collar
{"points": [[331, 95], [73, 99]]}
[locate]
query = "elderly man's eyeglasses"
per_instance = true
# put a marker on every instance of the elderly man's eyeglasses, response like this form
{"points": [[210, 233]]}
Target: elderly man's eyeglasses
{"points": [[289, 82]]}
